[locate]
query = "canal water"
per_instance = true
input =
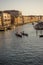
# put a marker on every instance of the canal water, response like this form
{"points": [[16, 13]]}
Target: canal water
{"points": [[21, 51]]}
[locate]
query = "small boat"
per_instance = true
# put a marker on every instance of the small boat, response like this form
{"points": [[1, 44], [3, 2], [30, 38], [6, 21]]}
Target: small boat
{"points": [[25, 34], [18, 35], [40, 35], [39, 26]]}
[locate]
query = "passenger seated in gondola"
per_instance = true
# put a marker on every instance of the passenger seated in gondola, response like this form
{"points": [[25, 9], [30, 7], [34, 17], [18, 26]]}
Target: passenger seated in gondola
{"points": [[18, 34]]}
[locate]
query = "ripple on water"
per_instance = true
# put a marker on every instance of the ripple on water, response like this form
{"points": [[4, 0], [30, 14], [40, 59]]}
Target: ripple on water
{"points": [[17, 51]]}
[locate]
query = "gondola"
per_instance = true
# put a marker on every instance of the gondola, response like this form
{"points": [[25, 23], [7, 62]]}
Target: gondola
{"points": [[40, 35], [18, 35], [24, 34]]}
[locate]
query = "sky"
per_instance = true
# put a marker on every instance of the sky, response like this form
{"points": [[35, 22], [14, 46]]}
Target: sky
{"points": [[27, 7]]}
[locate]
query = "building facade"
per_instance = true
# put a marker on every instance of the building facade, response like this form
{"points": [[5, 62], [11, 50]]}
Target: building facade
{"points": [[0, 20], [10, 18], [30, 19], [6, 19], [15, 16]]}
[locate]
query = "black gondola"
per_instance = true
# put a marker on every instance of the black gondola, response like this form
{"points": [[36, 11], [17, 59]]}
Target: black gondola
{"points": [[25, 34], [18, 35], [40, 35]]}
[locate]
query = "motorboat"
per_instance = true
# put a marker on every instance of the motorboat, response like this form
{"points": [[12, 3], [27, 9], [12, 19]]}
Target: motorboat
{"points": [[39, 26]]}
